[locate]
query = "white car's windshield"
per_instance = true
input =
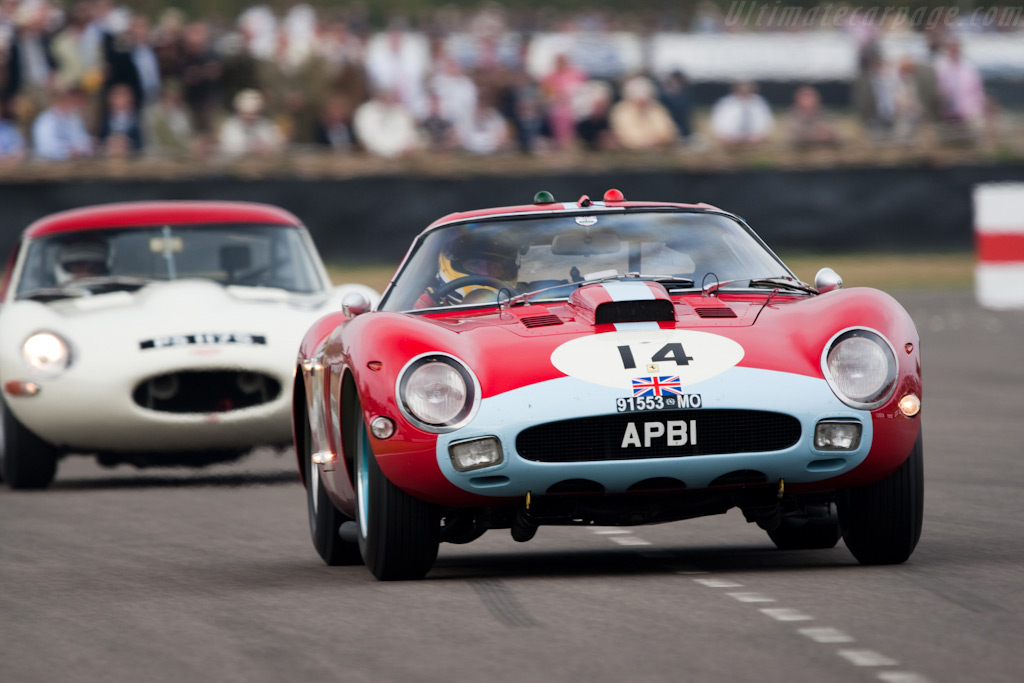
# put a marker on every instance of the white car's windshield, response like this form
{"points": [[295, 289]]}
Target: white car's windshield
{"points": [[241, 255], [470, 263]]}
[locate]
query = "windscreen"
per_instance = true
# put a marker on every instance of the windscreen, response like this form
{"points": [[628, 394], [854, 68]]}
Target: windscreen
{"points": [[238, 255], [469, 263]]}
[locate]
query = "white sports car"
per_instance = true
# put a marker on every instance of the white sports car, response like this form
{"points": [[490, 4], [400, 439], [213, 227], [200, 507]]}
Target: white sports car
{"points": [[155, 333]]}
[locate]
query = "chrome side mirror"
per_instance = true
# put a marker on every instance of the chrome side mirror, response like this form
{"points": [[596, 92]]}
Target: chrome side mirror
{"points": [[355, 303], [826, 280]]}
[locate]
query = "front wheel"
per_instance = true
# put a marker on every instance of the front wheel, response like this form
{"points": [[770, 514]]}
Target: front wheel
{"points": [[398, 534], [324, 519], [28, 461], [881, 522]]}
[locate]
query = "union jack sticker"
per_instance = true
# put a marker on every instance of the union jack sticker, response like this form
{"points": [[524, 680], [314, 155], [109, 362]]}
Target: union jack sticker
{"points": [[659, 385]]}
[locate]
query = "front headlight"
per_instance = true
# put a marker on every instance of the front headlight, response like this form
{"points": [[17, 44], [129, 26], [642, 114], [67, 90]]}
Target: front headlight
{"points": [[860, 366], [46, 352], [437, 392]]}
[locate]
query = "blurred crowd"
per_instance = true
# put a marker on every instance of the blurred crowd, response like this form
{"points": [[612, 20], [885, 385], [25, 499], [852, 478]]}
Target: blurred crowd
{"points": [[93, 79]]}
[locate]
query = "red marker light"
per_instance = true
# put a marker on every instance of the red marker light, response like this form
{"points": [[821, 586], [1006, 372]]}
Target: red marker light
{"points": [[614, 195], [909, 347]]}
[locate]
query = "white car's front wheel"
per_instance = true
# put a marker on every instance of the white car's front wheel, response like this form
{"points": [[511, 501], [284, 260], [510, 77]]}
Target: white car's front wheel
{"points": [[28, 462]]}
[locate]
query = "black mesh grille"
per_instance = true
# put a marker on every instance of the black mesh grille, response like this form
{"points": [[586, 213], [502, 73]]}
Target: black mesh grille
{"points": [[541, 320], [715, 312], [216, 391], [635, 311], [601, 438]]}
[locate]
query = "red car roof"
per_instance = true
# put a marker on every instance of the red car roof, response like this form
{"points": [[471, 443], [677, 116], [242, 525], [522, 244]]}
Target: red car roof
{"points": [[141, 214], [558, 206]]}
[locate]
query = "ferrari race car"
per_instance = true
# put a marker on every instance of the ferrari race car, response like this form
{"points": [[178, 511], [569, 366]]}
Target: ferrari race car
{"points": [[154, 333], [606, 363]]}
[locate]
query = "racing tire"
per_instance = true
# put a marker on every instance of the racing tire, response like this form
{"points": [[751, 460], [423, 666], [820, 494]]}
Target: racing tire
{"points": [[802, 532], [325, 519], [28, 461], [881, 522], [398, 534]]}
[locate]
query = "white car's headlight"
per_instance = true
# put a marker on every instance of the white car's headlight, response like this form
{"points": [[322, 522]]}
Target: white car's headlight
{"points": [[860, 366], [437, 392], [46, 352]]}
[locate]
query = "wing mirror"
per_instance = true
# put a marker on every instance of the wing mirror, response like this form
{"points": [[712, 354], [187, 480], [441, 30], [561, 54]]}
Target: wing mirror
{"points": [[355, 303], [826, 280]]}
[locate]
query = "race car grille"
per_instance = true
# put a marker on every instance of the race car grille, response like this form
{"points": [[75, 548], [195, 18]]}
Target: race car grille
{"points": [[214, 391], [658, 434], [541, 320]]}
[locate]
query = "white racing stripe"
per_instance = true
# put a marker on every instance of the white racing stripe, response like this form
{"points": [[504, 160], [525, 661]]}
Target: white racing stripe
{"points": [[629, 291]]}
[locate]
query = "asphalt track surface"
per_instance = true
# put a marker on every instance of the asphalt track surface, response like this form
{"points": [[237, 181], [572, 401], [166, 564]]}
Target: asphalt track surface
{"points": [[179, 575]]}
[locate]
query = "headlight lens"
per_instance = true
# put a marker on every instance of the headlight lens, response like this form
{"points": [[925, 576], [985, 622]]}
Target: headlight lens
{"points": [[437, 392], [861, 367], [46, 352]]}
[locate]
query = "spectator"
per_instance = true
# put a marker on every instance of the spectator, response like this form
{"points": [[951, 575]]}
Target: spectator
{"points": [[874, 94], [520, 102], [594, 130], [559, 89], [343, 50], [131, 61], [484, 132], [395, 63], [639, 121], [809, 126], [334, 127], [31, 66], [59, 132], [297, 83], [77, 50], [963, 96], [248, 132], [122, 120], [167, 126], [742, 118], [438, 129], [12, 143], [916, 98], [169, 43], [675, 96], [457, 94], [384, 126], [201, 77]]}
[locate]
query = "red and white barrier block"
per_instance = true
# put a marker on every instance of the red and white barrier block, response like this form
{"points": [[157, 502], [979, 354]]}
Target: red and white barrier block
{"points": [[999, 242]]}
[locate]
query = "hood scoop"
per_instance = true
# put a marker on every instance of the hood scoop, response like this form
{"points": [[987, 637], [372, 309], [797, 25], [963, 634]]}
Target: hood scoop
{"points": [[715, 311], [623, 302]]}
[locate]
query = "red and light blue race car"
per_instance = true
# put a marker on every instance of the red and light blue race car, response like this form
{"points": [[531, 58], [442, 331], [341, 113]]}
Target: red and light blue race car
{"points": [[606, 363]]}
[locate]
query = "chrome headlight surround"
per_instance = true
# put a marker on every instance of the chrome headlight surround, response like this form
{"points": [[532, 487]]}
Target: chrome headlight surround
{"points": [[865, 351], [46, 352], [446, 373]]}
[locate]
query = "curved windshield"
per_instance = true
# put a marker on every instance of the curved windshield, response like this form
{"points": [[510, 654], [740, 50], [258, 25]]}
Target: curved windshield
{"points": [[471, 263], [237, 255]]}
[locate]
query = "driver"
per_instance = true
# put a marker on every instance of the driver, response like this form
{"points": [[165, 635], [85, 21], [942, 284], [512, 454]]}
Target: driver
{"points": [[485, 263], [83, 258]]}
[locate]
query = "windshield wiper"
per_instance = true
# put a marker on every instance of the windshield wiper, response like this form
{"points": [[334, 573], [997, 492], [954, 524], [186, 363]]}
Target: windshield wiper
{"points": [[54, 293], [781, 282]]}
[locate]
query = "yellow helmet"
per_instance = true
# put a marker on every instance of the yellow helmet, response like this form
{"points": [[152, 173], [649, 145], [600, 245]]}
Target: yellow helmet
{"points": [[469, 255]]}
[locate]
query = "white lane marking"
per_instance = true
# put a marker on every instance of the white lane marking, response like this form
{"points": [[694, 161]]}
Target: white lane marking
{"points": [[609, 532], [718, 583], [902, 677], [751, 597], [629, 540], [867, 658], [826, 635], [786, 614]]}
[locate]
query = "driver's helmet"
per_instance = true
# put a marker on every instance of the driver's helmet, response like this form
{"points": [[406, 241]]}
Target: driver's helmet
{"points": [[81, 259], [477, 255]]}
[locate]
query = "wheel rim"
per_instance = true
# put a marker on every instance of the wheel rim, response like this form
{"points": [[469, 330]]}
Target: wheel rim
{"points": [[314, 483], [362, 481]]}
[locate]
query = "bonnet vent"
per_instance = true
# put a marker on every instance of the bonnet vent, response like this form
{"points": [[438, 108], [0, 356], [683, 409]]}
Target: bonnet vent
{"points": [[541, 320], [715, 312], [635, 311]]}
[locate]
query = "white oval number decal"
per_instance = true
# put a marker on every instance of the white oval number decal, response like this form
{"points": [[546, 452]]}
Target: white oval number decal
{"points": [[615, 359]]}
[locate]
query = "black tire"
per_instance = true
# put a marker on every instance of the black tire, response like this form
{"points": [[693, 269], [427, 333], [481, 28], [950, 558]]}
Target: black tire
{"points": [[324, 519], [881, 522], [801, 532], [28, 461], [398, 534]]}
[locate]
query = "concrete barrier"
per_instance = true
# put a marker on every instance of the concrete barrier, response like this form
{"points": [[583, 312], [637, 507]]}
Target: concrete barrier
{"points": [[999, 241]]}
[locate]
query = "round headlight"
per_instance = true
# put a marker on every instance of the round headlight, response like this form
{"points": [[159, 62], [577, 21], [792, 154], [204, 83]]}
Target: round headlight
{"points": [[861, 368], [46, 352], [437, 392]]}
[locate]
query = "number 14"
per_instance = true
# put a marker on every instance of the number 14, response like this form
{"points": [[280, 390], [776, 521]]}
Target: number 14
{"points": [[673, 351]]}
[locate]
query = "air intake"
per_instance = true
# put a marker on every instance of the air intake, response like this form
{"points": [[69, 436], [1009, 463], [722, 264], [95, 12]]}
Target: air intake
{"points": [[541, 320], [715, 312], [635, 311]]}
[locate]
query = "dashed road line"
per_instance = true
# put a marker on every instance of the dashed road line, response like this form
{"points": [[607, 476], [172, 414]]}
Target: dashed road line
{"points": [[825, 635], [750, 597], [628, 540], [786, 614], [902, 677], [718, 583], [867, 658]]}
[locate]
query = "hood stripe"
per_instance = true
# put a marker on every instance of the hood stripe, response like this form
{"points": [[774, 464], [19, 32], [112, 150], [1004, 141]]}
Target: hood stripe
{"points": [[628, 291]]}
